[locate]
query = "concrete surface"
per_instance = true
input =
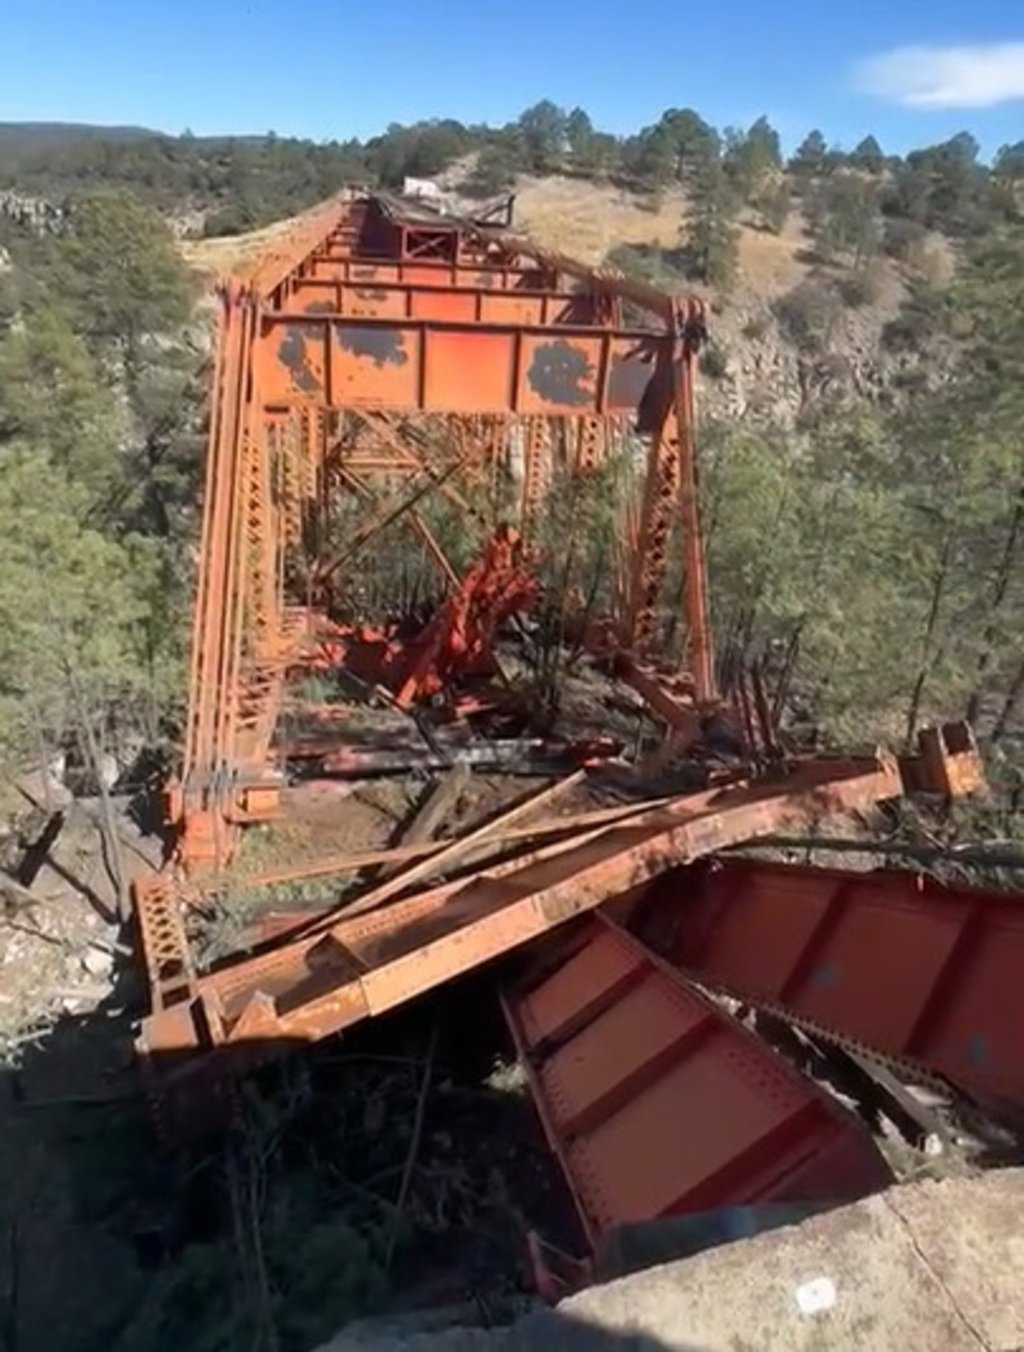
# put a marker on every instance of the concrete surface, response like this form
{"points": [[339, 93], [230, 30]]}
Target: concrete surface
{"points": [[923, 1267]]}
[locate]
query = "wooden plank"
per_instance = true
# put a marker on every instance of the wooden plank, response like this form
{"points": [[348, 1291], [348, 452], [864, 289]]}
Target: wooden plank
{"points": [[355, 863], [458, 849], [430, 814]]}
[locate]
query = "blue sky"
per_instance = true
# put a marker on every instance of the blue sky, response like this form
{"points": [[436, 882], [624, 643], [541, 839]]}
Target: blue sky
{"points": [[911, 71]]}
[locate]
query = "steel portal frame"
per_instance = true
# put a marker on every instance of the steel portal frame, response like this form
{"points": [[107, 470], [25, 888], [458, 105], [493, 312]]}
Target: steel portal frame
{"points": [[447, 337]]}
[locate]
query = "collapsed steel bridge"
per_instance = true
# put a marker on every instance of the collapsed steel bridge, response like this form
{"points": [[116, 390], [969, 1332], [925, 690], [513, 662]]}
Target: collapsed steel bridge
{"points": [[380, 356]]}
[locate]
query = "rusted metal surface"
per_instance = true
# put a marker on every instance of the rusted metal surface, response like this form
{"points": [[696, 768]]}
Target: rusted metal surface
{"points": [[946, 763], [658, 1103], [368, 308], [379, 356], [891, 963], [349, 969], [421, 365]]}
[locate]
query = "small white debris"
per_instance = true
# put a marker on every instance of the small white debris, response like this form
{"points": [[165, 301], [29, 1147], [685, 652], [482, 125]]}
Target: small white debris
{"points": [[97, 961], [815, 1296], [934, 1145]]}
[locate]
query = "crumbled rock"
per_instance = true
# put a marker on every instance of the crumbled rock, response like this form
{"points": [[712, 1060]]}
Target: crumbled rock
{"points": [[97, 961]]}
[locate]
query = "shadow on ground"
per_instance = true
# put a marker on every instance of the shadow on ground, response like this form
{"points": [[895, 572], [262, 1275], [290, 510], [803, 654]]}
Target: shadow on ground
{"points": [[325, 1202]]}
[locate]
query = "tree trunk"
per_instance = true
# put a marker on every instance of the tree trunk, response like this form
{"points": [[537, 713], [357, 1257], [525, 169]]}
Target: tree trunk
{"points": [[1010, 703], [924, 669], [111, 838], [988, 643], [788, 667]]}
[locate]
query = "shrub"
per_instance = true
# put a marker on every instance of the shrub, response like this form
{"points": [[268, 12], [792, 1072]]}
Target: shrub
{"points": [[756, 327], [902, 238], [234, 219], [494, 172], [921, 316], [808, 314], [713, 362]]}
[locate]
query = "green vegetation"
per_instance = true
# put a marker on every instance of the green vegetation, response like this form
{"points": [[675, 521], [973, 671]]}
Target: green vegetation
{"points": [[98, 459], [236, 183], [838, 543], [877, 560], [870, 558]]}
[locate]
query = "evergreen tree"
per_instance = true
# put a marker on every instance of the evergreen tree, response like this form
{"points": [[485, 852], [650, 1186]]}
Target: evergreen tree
{"points": [[868, 156], [579, 135], [122, 272], [811, 157], [52, 396], [543, 129], [773, 204], [844, 219], [711, 240]]}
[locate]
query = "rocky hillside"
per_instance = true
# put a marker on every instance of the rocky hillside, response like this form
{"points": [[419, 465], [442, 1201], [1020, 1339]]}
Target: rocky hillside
{"points": [[791, 332]]}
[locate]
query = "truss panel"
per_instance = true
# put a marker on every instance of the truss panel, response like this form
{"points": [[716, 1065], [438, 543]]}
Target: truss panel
{"points": [[443, 366]]}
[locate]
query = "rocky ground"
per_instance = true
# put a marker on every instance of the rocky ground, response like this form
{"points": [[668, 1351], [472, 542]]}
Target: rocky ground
{"points": [[108, 1243]]}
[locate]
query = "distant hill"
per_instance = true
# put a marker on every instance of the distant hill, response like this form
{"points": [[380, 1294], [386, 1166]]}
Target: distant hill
{"points": [[232, 182], [34, 136]]}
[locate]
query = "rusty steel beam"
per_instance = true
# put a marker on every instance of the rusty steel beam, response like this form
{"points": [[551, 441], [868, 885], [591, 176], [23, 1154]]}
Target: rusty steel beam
{"points": [[657, 1103], [416, 520], [418, 365], [887, 963], [334, 263], [327, 981], [477, 303]]}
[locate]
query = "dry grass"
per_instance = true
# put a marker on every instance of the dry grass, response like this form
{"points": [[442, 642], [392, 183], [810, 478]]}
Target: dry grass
{"points": [[587, 219], [217, 257], [770, 265]]}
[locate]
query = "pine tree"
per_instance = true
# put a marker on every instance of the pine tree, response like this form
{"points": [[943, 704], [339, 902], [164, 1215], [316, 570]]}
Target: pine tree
{"points": [[811, 156], [868, 156], [711, 240]]}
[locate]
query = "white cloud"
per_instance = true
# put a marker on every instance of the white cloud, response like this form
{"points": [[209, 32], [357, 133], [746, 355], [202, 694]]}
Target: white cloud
{"points": [[946, 77]]}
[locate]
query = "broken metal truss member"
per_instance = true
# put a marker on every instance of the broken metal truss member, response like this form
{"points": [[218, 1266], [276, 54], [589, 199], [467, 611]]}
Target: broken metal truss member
{"points": [[351, 969], [658, 1103], [924, 975]]}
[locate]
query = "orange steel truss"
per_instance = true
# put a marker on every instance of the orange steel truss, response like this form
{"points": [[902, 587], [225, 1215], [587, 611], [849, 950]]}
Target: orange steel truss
{"points": [[422, 352], [376, 359]]}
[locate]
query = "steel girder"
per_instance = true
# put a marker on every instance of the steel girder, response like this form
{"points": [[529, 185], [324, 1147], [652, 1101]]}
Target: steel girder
{"points": [[657, 1103], [925, 976]]}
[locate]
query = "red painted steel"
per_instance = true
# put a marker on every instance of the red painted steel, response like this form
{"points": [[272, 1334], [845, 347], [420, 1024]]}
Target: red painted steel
{"points": [[657, 1103], [479, 335], [347, 969], [904, 966]]}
